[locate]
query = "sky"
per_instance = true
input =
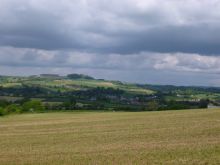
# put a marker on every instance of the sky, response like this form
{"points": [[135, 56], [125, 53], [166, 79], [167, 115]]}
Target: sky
{"points": [[173, 42]]}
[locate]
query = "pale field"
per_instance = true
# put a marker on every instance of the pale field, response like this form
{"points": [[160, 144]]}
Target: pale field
{"points": [[171, 137]]}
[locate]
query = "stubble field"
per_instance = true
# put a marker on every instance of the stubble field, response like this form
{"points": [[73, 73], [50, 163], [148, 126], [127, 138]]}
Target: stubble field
{"points": [[170, 137]]}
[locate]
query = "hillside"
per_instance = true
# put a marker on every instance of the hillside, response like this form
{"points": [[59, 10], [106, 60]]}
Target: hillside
{"points": [[82, 92], [80, 82]]}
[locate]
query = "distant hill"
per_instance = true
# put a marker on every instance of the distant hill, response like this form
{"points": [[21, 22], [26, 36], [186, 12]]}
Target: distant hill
{"points": [[71, 82], [79, 91]]}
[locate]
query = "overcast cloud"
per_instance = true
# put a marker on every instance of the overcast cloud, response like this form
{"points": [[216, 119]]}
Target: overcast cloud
{"points": [[146, 41]]}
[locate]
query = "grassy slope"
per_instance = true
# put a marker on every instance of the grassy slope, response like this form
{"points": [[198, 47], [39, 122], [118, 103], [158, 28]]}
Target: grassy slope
{"points": [[71, 85], [171, 137]]}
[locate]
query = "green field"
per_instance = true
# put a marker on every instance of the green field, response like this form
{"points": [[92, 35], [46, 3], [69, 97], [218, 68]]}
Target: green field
{"points": [[169, 137]]}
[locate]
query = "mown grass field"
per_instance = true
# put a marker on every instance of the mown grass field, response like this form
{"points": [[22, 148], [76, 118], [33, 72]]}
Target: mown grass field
{"points": [[171, 137]]}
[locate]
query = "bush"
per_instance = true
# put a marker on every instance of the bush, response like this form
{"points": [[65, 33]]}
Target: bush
{"points": [[3, 103], [13, 108], [2, 111], [33, 106], [152, 106]]}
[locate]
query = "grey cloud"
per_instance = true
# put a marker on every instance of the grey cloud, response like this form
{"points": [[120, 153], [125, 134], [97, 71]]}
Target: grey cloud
{"points": [[125, 27], [140, 61]]}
